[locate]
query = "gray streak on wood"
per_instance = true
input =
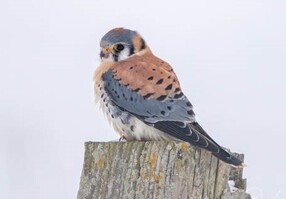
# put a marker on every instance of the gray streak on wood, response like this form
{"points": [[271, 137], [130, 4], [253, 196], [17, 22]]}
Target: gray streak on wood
{"points": [[156, 170]]}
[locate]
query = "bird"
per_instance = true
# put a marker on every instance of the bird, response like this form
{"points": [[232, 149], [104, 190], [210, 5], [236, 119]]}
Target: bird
{"points": [[141, 97]]}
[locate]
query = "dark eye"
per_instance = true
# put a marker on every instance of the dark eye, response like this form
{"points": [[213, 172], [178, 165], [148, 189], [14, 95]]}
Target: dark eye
{"points": [[119, 47]]}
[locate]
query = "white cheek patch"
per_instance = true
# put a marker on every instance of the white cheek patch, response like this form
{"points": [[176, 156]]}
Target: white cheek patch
{"points": [[124, 54]]}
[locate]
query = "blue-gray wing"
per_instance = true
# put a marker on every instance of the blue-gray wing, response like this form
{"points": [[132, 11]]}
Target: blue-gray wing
{"points": [[150, 110], [173, 115]]}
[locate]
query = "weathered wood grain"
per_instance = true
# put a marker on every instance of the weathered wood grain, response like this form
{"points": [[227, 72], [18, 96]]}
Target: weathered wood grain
{"points": [[156, 170]]}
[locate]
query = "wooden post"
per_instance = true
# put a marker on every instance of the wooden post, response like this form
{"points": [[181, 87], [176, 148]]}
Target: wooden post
{"points": [[161, 170]]}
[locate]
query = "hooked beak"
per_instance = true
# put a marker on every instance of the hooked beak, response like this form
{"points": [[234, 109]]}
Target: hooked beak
{"points": [[104, 53]]}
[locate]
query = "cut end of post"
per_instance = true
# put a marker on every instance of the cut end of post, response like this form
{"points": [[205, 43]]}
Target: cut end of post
{"points": [[163, 169]]}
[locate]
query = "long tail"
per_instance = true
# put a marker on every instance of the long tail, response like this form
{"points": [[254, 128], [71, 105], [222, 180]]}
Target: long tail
{"points": [[196, 135], [220, 153]]}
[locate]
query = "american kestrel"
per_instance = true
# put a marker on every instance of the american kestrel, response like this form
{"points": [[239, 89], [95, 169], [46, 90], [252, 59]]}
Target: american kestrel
{"points": [[141, 96]]}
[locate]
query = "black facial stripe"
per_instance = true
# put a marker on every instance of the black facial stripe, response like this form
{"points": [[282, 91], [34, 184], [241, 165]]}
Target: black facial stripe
{"points": [[131, 51], [115, 57], [143, 45]]}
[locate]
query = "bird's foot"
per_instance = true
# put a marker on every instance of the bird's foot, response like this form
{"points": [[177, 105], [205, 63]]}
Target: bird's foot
{"points": [[122, 139]]}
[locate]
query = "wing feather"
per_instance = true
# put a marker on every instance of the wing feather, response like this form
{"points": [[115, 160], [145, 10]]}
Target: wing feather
{"points": [[149, 110], [172, 113]]}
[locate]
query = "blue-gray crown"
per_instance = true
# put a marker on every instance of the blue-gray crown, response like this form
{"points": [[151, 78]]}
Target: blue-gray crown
{"points": [[118, 35]]}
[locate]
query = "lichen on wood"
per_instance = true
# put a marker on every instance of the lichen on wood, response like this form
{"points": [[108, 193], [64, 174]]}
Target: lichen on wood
{"points": [[156, 170]]}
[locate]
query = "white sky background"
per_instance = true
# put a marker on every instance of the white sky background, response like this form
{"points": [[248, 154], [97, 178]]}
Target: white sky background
{"points": [[229, 55]]}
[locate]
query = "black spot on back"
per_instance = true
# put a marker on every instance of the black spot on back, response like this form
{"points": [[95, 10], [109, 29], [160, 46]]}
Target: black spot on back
{"points": [[160, 81], [163, 112], [150, 78], [177, 89], [188, 104], [137, 89], [148, 95], [178, 95], [169, 87], [169, 108], [162, 97]]}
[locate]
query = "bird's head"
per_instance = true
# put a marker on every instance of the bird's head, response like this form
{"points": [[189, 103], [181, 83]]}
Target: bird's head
{"points": [[119, 44]]}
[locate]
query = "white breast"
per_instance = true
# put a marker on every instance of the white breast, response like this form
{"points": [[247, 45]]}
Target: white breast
{"points": [[127, 125]]}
